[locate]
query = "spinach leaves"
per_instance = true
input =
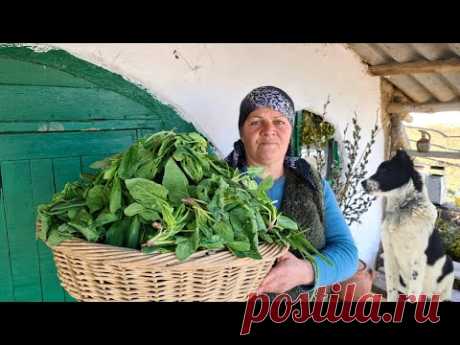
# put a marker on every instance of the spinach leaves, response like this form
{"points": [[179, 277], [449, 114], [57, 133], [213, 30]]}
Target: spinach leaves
{"points": [[167, 193]]}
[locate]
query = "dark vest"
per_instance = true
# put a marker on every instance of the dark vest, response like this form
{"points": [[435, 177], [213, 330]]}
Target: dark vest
{"points": [[303, 202]]}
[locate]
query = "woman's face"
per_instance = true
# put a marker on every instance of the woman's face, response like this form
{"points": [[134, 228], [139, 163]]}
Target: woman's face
{"points": [[266, 134]]}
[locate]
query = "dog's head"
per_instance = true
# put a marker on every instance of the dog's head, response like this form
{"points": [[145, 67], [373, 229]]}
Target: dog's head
{"points": [[393, 174]]}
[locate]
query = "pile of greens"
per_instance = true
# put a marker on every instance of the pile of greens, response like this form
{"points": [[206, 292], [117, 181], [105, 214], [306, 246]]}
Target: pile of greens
{"points": [[167, 193]]}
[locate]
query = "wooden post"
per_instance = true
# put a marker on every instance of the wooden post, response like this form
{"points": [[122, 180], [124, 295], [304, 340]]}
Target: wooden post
{"points": [[394, 135], [399, 138], [386, 91]]}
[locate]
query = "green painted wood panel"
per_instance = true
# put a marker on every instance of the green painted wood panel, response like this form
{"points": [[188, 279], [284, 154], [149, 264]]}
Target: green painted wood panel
{"points": [[57, 114], [6, 280], [26, 73], [66, 170], [42, 191], [43, 103], [17, 187], [142, 133], [29, 183], [63, 61], [38, 146], [296, 141], [179, 127], [98, 125]]}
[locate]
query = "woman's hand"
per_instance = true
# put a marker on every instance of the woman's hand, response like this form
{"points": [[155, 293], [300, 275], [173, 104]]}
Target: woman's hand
{"points": [[288, 272]]}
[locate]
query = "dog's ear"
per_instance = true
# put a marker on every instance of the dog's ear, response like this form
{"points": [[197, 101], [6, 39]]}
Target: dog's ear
{"points": [[402, 155], [417, 180]]}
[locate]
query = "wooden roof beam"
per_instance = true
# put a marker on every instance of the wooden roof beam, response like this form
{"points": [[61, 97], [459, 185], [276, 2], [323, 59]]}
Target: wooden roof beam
{"points": [[438, 66], [404, 108]]}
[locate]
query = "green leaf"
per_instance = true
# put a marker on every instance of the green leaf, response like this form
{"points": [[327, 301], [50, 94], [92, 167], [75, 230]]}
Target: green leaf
{"points": [[298, 241], [246, 254], [134, 209], [213, 242], [102, 164], [133, 233], [149, 215], [67, 229], [195, 239], [175, 181], [224, 230], [238, 218], [105, 218], [254, 254], [286, 223], [240, 246], [89, 232], [55, 237], [203, 189], [166, 145], [116, 234], [110, 173], [129, 163], [115, 195], [72, 213], [148, 170], [96, 198], [261, 226], [184, 248], [250, 229], [180, 154], [146, 192], [197, 137], [192, 168], [265, 185], [83, 217], [72, 190], [265, 237], [159, 250]]}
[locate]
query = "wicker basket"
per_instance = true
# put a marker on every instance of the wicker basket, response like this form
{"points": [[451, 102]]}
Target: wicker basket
{"points": [[100, 272]]}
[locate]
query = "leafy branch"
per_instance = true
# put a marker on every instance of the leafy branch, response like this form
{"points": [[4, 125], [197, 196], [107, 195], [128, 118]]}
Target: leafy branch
{"points": [[353, 201]]}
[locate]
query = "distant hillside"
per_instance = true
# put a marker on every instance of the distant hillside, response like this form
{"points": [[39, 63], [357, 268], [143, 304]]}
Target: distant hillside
{"points": [[452, 174]]}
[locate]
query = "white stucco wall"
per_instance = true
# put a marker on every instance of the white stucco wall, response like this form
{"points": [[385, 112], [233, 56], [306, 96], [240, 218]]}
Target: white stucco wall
{"points": [[207, 82]]}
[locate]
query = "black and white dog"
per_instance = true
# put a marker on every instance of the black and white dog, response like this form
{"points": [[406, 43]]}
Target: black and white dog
{"points": [[414, 257]]}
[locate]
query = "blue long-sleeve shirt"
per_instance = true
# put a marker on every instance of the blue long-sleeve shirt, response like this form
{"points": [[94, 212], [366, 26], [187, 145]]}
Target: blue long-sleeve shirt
{"points": [[340, 247]]}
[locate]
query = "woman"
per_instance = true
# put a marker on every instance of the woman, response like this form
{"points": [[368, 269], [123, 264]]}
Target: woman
{"points": [[265, 123]]}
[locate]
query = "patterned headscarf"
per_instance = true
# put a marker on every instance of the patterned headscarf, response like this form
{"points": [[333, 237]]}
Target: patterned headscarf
{"points": [[270, 97], [277, 99]]}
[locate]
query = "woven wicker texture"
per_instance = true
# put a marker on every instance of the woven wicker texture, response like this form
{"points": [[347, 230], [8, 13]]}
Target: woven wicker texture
{"points": [[99, 272]]}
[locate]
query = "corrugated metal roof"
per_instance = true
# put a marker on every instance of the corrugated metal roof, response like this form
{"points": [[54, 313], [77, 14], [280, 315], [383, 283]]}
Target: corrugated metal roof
{"points": [[420, 87]]}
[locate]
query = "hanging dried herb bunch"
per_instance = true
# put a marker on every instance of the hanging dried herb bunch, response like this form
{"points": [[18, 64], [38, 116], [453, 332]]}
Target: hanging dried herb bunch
{"points": [[316, 131]]}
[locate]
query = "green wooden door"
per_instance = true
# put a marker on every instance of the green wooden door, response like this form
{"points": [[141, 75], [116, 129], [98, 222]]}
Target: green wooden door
{"points": [[58, 114], [33, 168]]}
